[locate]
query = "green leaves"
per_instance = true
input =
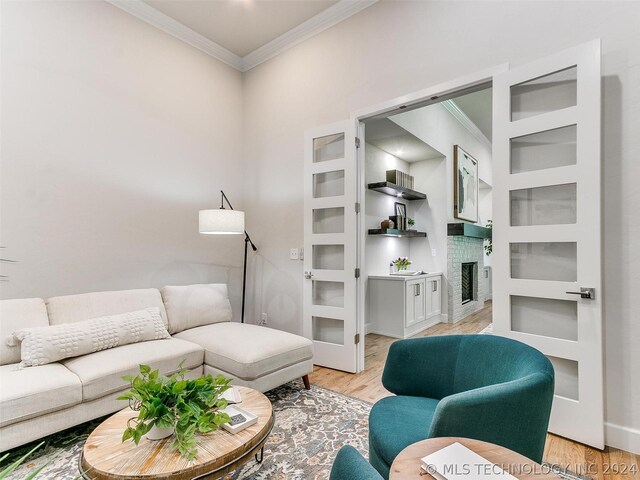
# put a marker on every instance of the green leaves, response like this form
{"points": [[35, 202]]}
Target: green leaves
{"points": [[188, 406]]}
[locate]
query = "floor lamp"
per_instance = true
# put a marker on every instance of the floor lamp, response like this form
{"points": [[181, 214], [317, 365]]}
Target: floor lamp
{"points": [[227, 222]]}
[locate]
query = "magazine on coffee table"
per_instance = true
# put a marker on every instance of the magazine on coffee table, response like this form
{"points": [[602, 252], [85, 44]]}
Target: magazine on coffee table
{"points": [[457, 462]]}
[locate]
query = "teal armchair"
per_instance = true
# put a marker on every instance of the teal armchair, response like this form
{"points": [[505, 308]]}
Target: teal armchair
{"points": [[483, 387], [349, 465]]}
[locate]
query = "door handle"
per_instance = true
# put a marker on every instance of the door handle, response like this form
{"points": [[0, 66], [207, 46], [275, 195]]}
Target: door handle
{"points": [[416, 290], [585, 292], [308, 275], [435, 287]]}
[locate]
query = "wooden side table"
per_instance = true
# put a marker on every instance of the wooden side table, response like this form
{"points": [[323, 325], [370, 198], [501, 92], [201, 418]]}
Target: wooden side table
{"points": [[106, 457], [407, 464]]}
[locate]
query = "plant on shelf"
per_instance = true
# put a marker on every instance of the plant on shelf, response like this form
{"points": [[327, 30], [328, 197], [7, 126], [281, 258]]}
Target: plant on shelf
{"points": [[488, 242], [185, 406], [411, 222], [401, 263]]}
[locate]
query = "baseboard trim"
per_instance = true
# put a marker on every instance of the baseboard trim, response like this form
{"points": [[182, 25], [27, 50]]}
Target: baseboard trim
{"points": [[624, 438]]}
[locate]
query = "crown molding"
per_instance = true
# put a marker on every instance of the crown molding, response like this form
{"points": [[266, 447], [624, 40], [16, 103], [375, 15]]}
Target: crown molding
{"points": [[315, 25], [324, 20], [466, 122], [144, 12]]}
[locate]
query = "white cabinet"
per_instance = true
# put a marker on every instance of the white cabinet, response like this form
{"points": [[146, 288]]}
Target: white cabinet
{"points": [[434, 289], [403, 306], [416, 306]]}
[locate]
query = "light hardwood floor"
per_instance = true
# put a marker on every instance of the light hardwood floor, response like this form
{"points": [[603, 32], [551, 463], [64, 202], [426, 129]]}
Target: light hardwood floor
{"points": [[366, 385]]}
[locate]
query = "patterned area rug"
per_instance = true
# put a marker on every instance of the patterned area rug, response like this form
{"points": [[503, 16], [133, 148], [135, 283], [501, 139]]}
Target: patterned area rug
{"points": [[311, 426]]}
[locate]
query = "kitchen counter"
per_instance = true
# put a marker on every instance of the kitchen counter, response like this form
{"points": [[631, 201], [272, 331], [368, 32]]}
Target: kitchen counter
{"points": [[404, 278]]}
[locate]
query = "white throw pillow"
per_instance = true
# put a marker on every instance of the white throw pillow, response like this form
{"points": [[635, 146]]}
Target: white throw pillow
{"points": [[192, 306], [42, 345]]}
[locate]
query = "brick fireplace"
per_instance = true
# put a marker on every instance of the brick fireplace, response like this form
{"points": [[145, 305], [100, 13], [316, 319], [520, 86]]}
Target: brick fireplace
{"points": [[467, 284]]}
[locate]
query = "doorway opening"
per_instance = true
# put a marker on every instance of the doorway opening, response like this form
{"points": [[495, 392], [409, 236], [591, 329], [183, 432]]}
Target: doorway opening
{"points": [[426, 172]]}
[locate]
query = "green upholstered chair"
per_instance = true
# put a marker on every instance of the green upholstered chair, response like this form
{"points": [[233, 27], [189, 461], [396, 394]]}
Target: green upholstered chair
{"points": [[483, 387], [350, 465]]}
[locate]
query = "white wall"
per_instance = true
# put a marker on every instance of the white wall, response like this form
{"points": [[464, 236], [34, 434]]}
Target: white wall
{"points": [[114, 135], [394, 48], [431, 217], [435, 126], [378, 206]]}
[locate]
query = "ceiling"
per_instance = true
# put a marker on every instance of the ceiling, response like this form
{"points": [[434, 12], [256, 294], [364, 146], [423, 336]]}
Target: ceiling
{"points": [[241, 26], [477, 106], [392, 138]]}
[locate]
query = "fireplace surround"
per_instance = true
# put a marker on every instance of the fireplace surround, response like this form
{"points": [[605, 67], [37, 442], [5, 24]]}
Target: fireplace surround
{"points": [[467, 251]]}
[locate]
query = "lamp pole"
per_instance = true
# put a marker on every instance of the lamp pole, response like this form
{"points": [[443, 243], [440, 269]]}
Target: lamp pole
{"points": [[247, 242]]}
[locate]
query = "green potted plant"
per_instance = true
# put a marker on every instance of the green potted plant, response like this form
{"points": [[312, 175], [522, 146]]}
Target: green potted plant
{"points": [[174, 405], [488, 242], [401, 263], [411, 222]]}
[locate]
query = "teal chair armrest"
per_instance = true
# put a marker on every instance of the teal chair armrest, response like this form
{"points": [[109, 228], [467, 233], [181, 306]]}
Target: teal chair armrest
{"points": [[422, 367], [350, 465], [514, 414]]}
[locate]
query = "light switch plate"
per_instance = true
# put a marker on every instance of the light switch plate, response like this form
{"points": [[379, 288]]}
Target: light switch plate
{"points": [[294, 254], [433, 252]]}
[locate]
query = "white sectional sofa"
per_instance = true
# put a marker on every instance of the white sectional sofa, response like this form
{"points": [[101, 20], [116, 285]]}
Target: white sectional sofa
{"points": [[36, 401]]}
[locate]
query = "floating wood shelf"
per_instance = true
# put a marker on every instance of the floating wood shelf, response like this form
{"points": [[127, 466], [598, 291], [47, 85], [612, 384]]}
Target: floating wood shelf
{"points": [[397, 191], [393, 232]]}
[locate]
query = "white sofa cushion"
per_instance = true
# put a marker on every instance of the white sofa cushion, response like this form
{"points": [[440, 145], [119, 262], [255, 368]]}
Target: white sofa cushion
{"points": [[196, 305], [16, 314], [101, 372], [42, 345], [31, 392], [248, 351], [77, 308]]}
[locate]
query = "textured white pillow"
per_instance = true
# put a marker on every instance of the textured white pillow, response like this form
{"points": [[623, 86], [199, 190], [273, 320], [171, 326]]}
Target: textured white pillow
{"points": [[42, 345]]}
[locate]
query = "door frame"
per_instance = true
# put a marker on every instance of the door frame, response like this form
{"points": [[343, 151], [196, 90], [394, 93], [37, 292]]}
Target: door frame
{"points": [[434, 94]]}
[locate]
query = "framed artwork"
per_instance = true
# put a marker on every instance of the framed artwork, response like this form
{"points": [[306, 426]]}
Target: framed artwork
{"points": [[465, 185], [401, 209]]}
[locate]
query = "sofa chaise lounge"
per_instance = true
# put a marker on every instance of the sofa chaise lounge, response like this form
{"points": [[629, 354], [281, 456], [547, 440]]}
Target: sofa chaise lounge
{"points": [[36, 401]]}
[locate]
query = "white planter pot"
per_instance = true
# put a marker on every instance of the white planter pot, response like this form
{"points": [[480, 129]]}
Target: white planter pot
{"points": [[159, 433]]}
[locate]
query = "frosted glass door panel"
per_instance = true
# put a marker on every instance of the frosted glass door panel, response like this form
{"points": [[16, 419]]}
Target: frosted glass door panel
{"points": [[330, 330], [328, 294], [544, 261], [553, 205], [544, 94], [328, 257], [542, 150], [327, 148], [328, 220], [545, 316], [566, 377], [328, 184]]}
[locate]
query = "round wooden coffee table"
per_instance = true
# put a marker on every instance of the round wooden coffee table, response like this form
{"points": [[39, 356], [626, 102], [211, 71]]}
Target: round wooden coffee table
{"points": [[105, 457], [407, 463]]}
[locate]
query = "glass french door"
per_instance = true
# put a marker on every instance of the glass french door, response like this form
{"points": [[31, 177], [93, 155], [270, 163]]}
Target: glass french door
{"points": [[547, 229], [330, 236]]}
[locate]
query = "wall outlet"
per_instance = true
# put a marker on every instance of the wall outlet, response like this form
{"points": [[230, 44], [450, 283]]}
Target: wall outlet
{"points": [[264, 319], [433, 252], [294, 254]]}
